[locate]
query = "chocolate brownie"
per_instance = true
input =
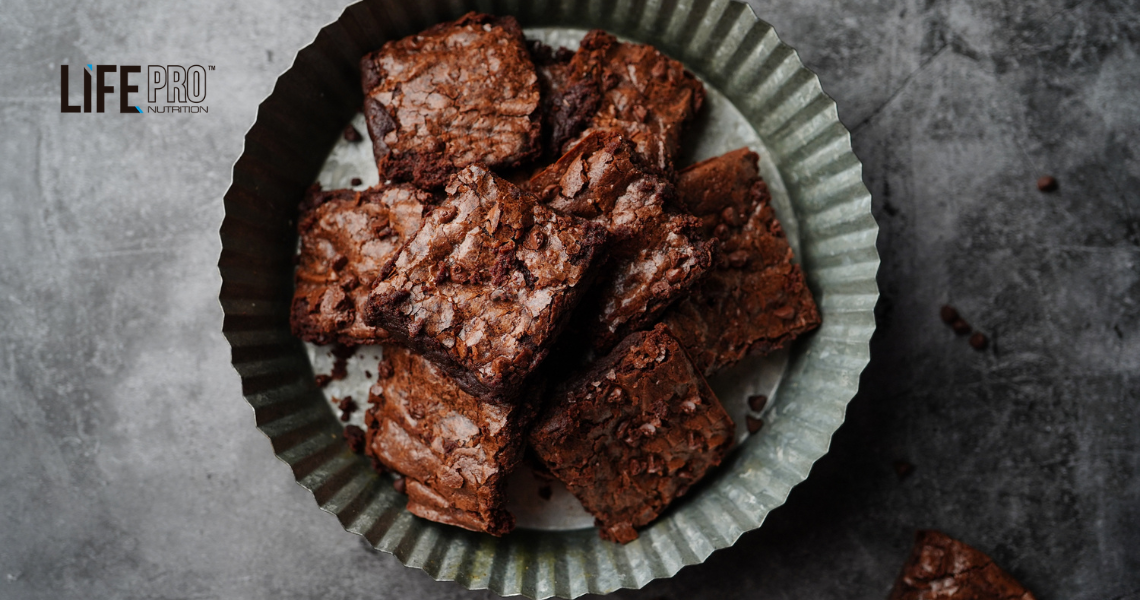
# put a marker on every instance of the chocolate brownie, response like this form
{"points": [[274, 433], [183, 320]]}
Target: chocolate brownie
{"points": [[346, 237], [633, 433], [655, 257], [942, 568], [454, 449], [487, 284], [566, 105], [632, 88], [453, 95], [755, 299]]}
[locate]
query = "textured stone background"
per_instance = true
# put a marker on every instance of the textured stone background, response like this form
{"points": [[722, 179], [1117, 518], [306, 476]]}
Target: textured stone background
{"points": [[131, 467]]}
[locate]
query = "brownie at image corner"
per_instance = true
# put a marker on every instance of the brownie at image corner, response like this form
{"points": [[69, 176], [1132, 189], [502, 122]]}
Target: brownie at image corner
{"points": [[454, 449], [486, 285], [654, 256], [453, 95], [941, 567], [632, 88], [755, 300], [346, 238], [633, 433]]}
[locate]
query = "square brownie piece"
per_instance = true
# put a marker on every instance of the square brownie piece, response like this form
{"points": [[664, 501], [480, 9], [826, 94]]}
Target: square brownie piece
{"points": [[454, 449], [656, 256], [453, 95], [632, 88], [633, 433], [487, 283], [941, 567], [346, 238], [755, 299]]}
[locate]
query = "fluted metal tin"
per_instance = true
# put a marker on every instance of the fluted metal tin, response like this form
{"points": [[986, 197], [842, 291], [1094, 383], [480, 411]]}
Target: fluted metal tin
{"points": [[827, 204]]}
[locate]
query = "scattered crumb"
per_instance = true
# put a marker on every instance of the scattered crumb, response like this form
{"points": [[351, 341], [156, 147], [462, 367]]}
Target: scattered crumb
{"points": [[347, 406], [754, 424], [757, 402], [323, 380], [356, 181], [355, 438], [949, 314], [979, 341], [1047, 183], [961, 327], [368, 374], [351, 134]]}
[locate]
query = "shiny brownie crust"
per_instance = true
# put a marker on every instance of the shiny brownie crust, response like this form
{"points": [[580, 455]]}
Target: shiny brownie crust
{"points": [[755, 300], [346, 238], [453, 95], [486, 285], [633, 433]]}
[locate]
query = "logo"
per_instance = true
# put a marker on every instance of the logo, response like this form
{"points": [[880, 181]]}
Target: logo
{"points": [[170, 88]]}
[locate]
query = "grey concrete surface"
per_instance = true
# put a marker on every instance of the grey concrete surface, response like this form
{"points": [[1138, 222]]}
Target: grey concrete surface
{"points": [[131, 467]]}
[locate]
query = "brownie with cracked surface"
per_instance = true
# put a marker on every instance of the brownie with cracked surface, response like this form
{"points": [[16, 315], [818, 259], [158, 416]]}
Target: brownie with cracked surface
{"points": [[486, 285], [453, 95], [454, 449], [942, 568], [656, 255], [346, 238], [633, 433], [755, 300], [633, 88]]}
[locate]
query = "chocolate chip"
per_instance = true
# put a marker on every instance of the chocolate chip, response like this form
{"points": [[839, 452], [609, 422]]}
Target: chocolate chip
{"points": [[961, 327], [979, 341], [535, 240], [340, 262], [356, 181], [785, 312], [323, 380], [738, 259], [1047, 183], [347, 406], [728, 215], [400, 485], [721, 232], [351, 134], [903, 469], [757, 402], [355, 438], [949, 314], [545, 492], [753, 424]]}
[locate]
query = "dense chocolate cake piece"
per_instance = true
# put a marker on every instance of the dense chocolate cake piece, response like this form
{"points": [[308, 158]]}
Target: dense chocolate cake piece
{"points": [[633, 433], [755, 299], [655, 256], [453, 95], [942, 568], [633, 88], [567, 105], [487, 284], [454, 449], [346, 238]]}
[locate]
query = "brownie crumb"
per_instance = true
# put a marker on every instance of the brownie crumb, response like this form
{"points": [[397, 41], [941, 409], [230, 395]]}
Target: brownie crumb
{"points": [[355, 438], [378, 466], [341, 353], [941, 567], [961, 327], [347, 406], [903, 469], [754, 424], [401, 485], [1047, 183], [352, 135], [368, 374], [757, 402], [949, 314], [979, 341], [323, 380], [545, 492], [356, 181]]}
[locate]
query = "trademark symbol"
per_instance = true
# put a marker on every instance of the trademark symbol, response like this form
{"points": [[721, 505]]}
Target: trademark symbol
{"points": [[211, 67]]}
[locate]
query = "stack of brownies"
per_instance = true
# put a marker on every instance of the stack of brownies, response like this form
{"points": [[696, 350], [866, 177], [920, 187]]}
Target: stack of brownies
{"points": [[541, 276]]}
